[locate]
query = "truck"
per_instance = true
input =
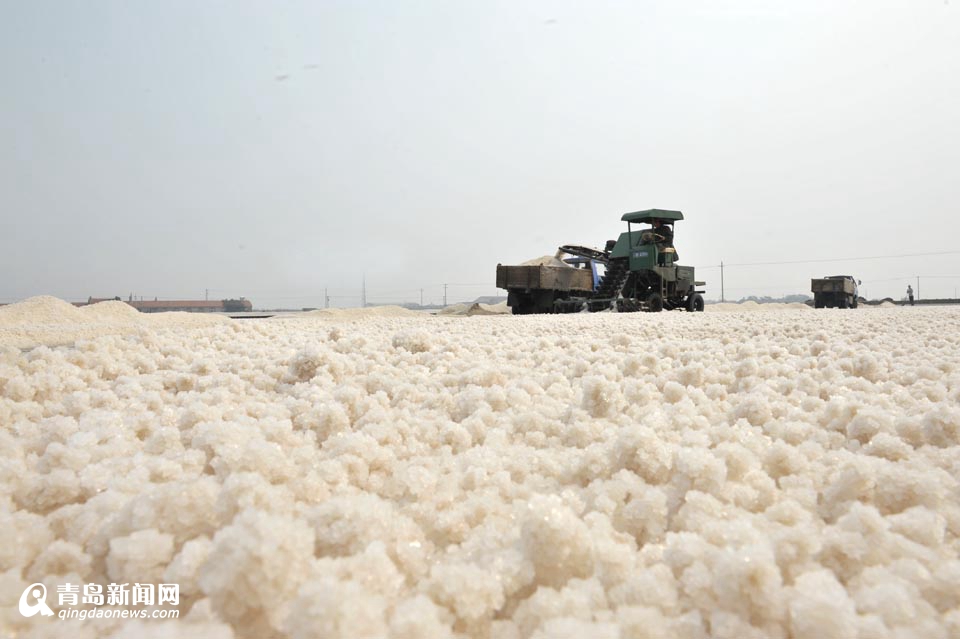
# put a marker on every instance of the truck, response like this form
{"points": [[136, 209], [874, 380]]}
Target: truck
{"points": [[835, 291], [636, 272]]}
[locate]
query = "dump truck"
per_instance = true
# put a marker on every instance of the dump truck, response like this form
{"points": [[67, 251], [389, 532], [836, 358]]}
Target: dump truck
{"points": [[835, 291], [636, 272]]}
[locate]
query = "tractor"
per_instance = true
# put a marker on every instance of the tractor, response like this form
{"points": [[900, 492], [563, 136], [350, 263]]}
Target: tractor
{"points": [[640, 273]]}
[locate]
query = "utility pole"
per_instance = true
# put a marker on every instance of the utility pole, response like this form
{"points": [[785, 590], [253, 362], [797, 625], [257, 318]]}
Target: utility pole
{"points": [[444, 294], [206, 294], [722, 296], [363, 292], [326, 299], [421, 298]]}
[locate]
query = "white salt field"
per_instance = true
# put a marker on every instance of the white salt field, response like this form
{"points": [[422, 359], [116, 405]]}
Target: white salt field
{"points": [[754, 471]]}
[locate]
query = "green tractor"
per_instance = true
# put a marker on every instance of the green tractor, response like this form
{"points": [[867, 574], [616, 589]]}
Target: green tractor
{"points": [[640, 273]]}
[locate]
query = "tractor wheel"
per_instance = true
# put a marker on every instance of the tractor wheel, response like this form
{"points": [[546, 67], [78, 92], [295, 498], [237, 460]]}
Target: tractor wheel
{"points": [[654, 303], [854, 303], [842, 303], [817, 303], [695, 303]]}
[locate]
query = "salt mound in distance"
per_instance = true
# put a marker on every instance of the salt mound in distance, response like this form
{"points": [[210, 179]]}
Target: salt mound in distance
{"points": [[454, 309], [489, 309], [116, 313], [753, 307], [110, 310], [361, 313], [46, 320], [42, 309], [476, 308]]}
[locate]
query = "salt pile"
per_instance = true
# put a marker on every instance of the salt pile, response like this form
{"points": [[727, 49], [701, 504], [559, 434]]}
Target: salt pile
{"points": [[546, 260], [50, 321], [751, 307], [360, 313], [779, 474], [477, 308]]}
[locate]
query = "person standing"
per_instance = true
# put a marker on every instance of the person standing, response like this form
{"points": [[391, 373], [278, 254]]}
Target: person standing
{"points": [[910, 294]]}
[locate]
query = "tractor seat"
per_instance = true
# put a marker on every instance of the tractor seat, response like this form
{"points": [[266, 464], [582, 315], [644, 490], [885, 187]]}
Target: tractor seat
{"points": [[668, 255]]}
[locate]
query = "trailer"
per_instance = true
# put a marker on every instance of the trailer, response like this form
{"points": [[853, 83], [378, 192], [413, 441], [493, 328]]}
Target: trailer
{"points": [[537, 289]]}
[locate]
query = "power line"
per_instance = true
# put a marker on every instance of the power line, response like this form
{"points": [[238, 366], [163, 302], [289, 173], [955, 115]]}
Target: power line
{"points": [[892, 279], [837, 259], [913, 277]]}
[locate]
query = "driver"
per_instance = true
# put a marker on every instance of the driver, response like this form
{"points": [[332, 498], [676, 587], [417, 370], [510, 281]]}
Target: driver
{"points": [[663, 232]]}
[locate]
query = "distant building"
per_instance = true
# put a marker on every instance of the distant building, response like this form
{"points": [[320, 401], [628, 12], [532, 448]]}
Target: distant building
{"points": [[188, 306]]}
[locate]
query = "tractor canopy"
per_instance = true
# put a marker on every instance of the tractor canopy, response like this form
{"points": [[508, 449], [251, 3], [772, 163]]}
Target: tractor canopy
{"points": [[640, 217]]}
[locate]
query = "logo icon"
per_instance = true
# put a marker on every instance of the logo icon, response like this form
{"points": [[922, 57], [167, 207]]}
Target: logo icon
{"points": [[29, 610]]}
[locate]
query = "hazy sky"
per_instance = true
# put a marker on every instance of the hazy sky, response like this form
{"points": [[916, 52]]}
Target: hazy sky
{"points": [[272, 149]]}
